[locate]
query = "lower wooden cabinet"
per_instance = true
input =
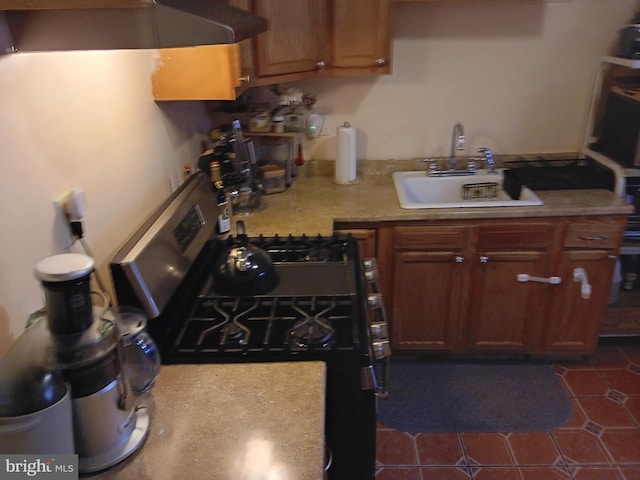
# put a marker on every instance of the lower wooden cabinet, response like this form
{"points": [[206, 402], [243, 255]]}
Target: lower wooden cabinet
{"points": [[532, 286], [576, 311], [503, 313], [427, 291]]}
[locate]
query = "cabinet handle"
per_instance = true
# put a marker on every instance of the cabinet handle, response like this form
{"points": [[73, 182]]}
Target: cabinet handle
{"points": [[459, 259], [596, 238], [580, 275], [484, 259], [321, 64], [381, 62], [245, 78], [524, 277]]}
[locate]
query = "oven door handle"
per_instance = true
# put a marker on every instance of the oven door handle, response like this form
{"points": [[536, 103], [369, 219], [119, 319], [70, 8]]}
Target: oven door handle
{"points": [[382, 352], [375, 376]]}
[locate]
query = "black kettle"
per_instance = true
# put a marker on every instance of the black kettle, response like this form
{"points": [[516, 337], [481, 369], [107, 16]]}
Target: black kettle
{"points": [[244, 269]]}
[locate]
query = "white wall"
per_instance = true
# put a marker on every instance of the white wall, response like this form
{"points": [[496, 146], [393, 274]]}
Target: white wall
{"points": [[89, 120], [517, 74]]}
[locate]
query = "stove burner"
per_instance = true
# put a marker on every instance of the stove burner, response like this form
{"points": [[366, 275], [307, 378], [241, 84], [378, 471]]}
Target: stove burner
{"points": [[317, 255], [234, 332], [312, 331]]}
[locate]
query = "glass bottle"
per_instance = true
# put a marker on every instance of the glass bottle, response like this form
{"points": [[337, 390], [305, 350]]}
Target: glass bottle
{"points": [[224, 209]]}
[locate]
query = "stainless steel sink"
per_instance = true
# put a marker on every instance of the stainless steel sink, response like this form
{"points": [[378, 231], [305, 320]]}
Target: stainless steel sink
{"points": [[417, 190]]}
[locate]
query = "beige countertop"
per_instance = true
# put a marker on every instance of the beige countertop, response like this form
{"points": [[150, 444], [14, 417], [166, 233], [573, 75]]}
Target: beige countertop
{"points": [[254, 421], [313, 203]]}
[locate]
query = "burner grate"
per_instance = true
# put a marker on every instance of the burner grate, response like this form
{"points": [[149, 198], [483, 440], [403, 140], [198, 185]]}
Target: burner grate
{"points": [[305, 248], [265, 324]]}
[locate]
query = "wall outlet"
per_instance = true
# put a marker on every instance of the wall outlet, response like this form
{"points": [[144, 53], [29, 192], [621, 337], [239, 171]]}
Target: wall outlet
{"points": [[324, 132], [62, 229]]}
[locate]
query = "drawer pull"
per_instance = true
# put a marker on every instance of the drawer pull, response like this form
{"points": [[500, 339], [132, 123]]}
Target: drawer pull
{"points": [[596, 238], [524, 277], [459, 259]]}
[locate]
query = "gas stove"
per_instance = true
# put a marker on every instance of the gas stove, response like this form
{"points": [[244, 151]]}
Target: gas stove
{"points": [[316, 310], [325, 306]]}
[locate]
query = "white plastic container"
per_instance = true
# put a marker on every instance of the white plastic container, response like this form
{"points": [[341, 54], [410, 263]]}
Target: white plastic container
{"points": [[48, 431], [616, 282]]}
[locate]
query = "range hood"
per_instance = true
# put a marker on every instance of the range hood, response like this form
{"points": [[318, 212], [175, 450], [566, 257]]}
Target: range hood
{"points": [[151, 24]]}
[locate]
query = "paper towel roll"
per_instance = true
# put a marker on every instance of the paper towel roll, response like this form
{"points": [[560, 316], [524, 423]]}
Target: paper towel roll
{"points": [[346, 154]]}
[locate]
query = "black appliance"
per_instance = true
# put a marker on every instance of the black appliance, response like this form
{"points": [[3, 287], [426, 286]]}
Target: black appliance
{"points": [[566, 174], [632, 196], [619, 128], [320, 309]]}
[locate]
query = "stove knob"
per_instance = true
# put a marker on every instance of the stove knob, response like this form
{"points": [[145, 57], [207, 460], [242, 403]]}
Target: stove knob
{"points": [[381, 349], [371, 276], [370, 264], [379, 330], [374, 300], [370, 269]]}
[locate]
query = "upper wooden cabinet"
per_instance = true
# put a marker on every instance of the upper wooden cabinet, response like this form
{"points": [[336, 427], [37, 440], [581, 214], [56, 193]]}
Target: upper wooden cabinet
{"points": [[196, 73], [296, 39], [306, 38], [361, 36], [322, 37]]}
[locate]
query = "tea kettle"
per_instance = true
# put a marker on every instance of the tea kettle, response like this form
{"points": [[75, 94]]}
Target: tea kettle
{"points": [[244, 269]]}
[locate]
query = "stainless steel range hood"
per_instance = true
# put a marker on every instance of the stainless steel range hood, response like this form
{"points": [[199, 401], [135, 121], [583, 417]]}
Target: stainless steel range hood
{"points": [[156, 24]]}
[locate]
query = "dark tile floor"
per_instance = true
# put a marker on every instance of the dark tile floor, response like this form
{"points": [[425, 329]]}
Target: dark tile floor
{"points": [[600, 442]]}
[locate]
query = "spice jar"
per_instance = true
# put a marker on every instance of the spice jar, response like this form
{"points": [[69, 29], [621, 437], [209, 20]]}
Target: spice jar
{"points": [[277, 124]]}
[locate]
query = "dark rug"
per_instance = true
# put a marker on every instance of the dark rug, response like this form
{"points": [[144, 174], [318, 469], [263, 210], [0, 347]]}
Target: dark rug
{"points": [[438, 396]]}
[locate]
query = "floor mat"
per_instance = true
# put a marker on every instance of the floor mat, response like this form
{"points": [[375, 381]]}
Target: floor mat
{"points": [[460, 396]]}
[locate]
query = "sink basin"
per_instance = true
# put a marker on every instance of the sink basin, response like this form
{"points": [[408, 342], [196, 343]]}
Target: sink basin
{"points": [[417, 190]]}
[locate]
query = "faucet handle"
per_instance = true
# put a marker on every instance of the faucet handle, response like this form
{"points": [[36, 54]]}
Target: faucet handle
{"points": [[433, 165], [486, 152], [488, 157], [471, 165]]}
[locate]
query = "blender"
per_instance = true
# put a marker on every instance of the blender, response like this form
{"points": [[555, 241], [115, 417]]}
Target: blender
{"points": [[85, 347]]}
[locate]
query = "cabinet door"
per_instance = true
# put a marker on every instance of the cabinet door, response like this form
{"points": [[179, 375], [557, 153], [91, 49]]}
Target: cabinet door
{"points": [[361, 34], [247, 71], [503, 312], [296, 37], [426, 300], [572, 322], [208, 72]]}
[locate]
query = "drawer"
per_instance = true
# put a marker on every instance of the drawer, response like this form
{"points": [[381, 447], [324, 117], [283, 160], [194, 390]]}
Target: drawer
{"points": [[515, 235], [430, 237], [593, 234]]}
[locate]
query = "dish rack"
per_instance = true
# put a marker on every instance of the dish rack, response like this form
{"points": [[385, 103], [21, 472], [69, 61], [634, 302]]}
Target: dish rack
{"points": [[472, 191]]}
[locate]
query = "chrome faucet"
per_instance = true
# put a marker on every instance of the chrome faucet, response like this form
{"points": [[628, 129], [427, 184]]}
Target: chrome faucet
{"points": [[488, 157], [458, 143]]}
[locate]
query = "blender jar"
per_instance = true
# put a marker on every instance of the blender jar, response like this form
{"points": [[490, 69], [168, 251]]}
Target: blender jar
{"points": [[141, 359]]}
